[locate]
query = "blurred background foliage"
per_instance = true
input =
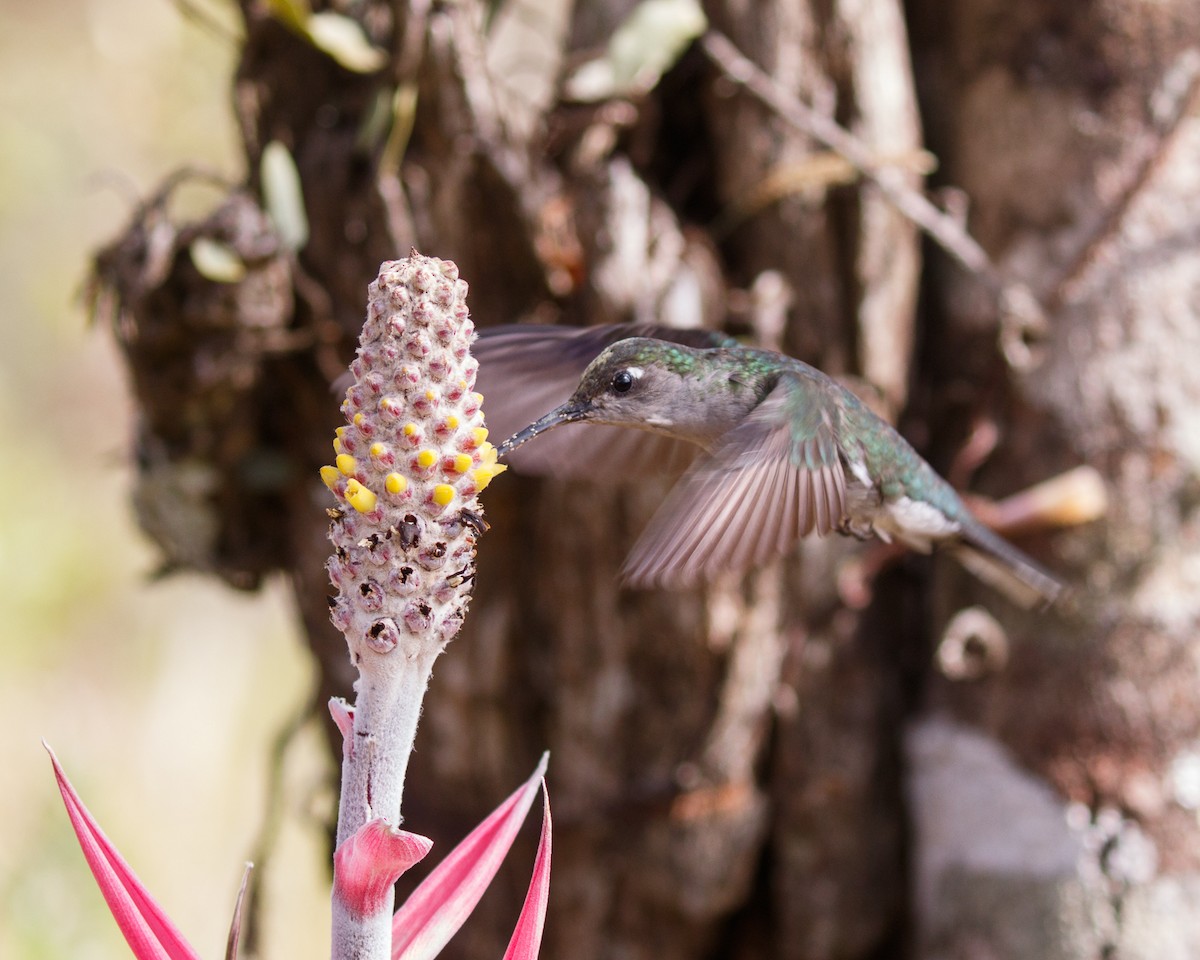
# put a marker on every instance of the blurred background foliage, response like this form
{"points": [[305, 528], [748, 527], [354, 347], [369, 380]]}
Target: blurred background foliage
{"points": [[150, 692]]}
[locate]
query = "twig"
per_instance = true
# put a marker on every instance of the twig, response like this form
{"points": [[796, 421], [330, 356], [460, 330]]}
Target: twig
{"points": [[1022, 320], [268, 833], [816, 173], [943, 228], [1108, 228]]}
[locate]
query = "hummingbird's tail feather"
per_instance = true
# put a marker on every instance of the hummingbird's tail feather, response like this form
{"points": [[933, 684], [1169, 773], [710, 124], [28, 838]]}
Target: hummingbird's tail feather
{"points": [[1001, 565]]}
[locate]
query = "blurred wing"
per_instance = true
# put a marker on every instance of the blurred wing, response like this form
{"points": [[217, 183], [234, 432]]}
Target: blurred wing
{"points": [[527, 370], [775, 478]]}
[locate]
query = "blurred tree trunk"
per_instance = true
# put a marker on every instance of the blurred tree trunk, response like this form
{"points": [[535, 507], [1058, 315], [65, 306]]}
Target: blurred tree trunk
{"points": [[1055, 799], [760, 769]]}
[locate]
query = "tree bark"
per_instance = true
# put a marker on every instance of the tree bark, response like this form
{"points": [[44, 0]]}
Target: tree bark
{"points": [[1051, 802], [777, 768]]}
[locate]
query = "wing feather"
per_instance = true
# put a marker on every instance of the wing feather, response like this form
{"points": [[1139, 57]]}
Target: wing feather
{"points": [[763, 545], [820, 501], [804, 502], [761, 490], [788, 525], [712, 517]]}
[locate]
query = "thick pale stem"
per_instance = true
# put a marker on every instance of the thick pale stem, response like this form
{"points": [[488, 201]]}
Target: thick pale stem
{"points": [[358, 937], [387, 708]]}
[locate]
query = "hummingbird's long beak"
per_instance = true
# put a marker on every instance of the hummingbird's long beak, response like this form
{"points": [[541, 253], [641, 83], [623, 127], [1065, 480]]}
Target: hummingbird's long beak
{"points": [[570, 412]]}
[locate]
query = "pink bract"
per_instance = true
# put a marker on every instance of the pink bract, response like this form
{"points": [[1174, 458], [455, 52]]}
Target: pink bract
{"points": [[438, 907], [366, 866], [147, 929]]}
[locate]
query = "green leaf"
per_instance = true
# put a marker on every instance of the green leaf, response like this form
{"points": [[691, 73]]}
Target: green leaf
{"points": [[216, 261], [283, 195], [404, 114], [649, 42], [292, 13], [344, 39]]}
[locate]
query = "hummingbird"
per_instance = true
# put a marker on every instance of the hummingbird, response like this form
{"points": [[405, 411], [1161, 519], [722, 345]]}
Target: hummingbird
{"points": [[778, 450]]}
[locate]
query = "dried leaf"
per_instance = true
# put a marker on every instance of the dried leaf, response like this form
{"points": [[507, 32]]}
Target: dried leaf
{"points": [[283, 195], [216, 261], [233, 942], [404, 114], [344, 39], [644, 47]]}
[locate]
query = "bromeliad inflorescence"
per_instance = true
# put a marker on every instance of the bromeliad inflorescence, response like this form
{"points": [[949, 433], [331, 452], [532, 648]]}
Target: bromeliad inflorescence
{"points": [[409, 463]]}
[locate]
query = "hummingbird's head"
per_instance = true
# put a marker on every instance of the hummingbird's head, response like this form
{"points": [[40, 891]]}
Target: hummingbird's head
{"points": [[637, 382]]}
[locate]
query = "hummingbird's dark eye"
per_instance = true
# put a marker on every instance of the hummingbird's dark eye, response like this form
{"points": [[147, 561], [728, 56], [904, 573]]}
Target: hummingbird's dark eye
{"points": [[622, 382]]}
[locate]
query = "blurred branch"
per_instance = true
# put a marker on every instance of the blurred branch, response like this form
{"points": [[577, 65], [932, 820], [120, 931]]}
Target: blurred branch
{"points": [[190, 10], [816, 173], [1185, 104], [1022, 319], [265, 843], [944, 229]]}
